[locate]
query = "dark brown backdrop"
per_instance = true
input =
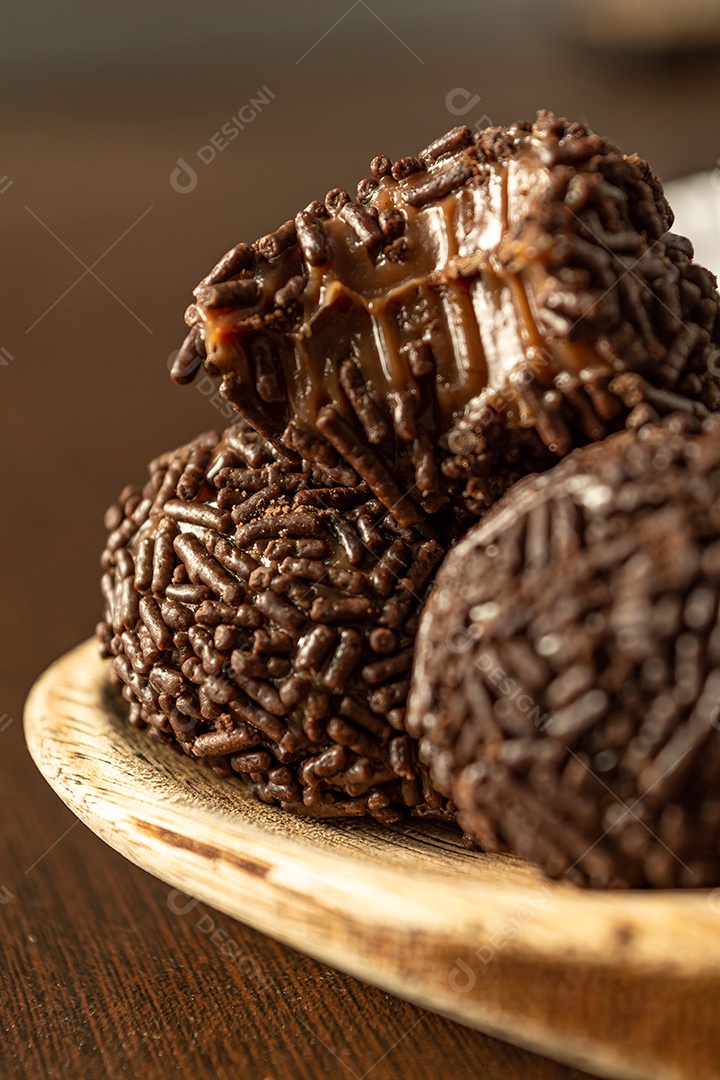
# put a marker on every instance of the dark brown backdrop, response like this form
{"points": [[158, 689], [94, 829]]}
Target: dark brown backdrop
{"points": [[99, 256]]}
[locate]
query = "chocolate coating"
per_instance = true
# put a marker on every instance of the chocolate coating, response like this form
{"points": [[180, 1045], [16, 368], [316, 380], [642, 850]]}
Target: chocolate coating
{"points": [[474, 315], [264, 621], [566, 688]]}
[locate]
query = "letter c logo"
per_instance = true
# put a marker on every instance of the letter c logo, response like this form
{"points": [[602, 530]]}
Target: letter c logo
{"points": [[187, 903], [469, 101], [467, 979], [183, 179]]}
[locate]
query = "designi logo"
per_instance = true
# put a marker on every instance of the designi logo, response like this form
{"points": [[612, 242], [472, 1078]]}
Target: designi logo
{"points": [[184, 177]]}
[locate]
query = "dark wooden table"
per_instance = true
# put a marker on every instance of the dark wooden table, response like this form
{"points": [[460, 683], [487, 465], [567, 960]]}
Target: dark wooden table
{"points": [[103, 977]]}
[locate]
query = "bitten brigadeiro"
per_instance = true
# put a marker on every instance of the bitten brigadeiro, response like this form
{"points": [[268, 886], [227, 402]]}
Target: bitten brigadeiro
{"points": [[399, 361], [474, 314], [263, 619], [566, 690]]}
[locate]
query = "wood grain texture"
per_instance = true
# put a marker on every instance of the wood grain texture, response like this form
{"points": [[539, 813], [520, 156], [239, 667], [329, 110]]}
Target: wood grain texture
{"points": [[102, 980], [99, 978], [625, 983]]}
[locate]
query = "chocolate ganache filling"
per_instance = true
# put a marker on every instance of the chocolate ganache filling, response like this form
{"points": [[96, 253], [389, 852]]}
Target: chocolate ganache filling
{"points": [[474, 314]]}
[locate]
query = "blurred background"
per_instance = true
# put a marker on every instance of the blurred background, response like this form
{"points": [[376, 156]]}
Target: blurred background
{"points": [[105, 234], [105, 231], [140, 141]]}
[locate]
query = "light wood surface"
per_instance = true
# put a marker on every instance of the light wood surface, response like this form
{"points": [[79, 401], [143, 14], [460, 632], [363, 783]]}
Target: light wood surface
{"points": [[627, 984], [100, 979]]}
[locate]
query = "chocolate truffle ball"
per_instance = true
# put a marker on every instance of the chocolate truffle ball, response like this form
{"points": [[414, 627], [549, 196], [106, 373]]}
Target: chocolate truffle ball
{"points": [[566, 687], [262, 618], [474, 314]]}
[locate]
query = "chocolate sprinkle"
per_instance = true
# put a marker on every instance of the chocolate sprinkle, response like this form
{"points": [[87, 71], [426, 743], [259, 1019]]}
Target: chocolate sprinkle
{"points": [[566, 688], [251, 638], [557, 303]]}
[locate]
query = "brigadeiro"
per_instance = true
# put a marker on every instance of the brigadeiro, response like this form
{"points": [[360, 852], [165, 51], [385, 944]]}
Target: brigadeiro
{"points": [[472, 315], [398, 361], [261, 617], [566, 688]]}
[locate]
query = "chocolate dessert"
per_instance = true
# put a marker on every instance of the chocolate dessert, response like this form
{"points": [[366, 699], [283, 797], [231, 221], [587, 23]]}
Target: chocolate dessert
{"points": [[399, 362], [566, 687], [263, 618], [474, 314]]}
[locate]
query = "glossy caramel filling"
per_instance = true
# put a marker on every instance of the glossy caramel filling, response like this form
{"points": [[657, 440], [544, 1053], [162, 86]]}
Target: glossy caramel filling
{"points": [[464, 287]]}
